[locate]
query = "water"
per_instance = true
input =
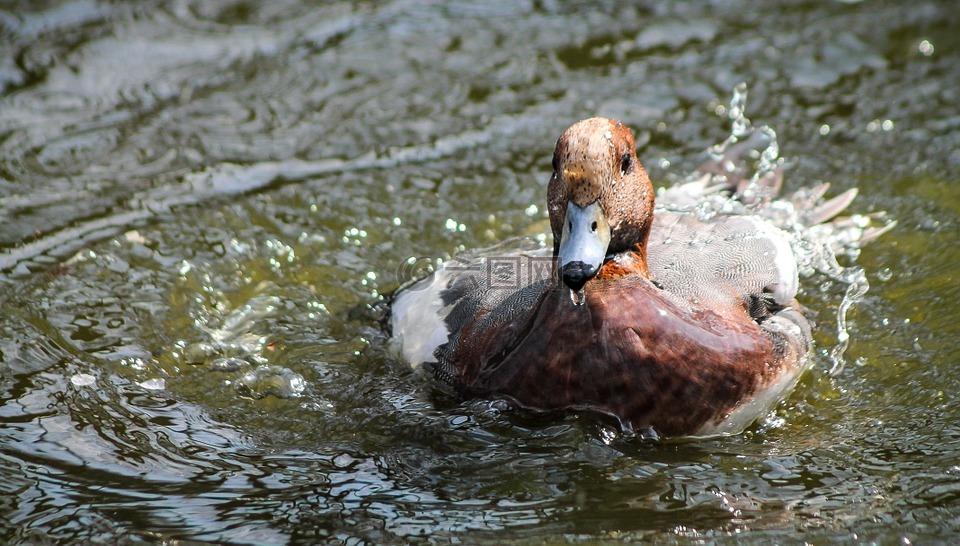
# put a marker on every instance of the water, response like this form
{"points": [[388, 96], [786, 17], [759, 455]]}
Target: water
{"points": [[202, 202]]}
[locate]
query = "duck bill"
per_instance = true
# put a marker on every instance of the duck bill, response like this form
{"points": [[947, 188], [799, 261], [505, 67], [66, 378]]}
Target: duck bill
{"points": [[583, 244]]}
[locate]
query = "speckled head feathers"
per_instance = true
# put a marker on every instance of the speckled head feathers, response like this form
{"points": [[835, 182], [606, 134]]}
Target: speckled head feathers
{"points": [[595, 160]]}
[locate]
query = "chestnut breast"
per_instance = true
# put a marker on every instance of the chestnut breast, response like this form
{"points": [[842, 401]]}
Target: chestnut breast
{"points": [[630, 350]]}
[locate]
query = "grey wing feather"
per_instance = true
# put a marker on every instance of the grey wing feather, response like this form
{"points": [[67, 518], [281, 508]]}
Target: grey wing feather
{"points": [[727, 260]]}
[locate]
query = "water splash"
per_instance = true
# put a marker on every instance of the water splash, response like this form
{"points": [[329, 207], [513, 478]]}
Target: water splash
{"points": [[738, 110], [819, 257], [228, 364], [856, 289], [740, 126], [748, 164], [234, 338], [240, 321], [276, 381]]}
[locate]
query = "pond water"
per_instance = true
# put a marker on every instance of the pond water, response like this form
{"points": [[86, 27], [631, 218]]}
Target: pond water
{"points": [[201, 204]]}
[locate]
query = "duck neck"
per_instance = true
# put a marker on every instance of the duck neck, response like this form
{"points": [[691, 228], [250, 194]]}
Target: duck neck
{"points": [[629, 262]]}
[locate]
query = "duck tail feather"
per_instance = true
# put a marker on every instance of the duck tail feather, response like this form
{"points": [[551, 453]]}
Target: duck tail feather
{"points": [[872, 233], [829, 209]]}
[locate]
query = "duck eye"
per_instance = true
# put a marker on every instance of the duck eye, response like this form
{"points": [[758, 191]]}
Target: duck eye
{"points": [[593, 226], [626, 163]]}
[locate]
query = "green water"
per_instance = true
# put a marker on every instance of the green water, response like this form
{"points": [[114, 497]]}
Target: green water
{"points": [[185, 182]]}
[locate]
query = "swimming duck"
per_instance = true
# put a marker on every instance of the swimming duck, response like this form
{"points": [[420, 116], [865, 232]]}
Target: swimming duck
{"points": [[672, 322]]}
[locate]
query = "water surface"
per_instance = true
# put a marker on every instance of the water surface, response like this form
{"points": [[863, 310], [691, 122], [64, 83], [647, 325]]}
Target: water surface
{"points": [[201, 204]]}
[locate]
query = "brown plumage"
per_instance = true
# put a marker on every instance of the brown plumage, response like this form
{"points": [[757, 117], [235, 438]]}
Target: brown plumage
{"points": [[596, 159], [629, 351], [687, 326]]}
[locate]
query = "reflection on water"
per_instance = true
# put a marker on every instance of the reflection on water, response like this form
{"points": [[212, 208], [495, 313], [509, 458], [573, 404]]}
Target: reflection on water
{"points": [[201, 203]]}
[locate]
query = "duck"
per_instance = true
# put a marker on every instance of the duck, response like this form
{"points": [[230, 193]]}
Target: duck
{"points": [[672, 321]]}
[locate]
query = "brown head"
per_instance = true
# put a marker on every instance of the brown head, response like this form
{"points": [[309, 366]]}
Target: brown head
{"points": [[600, 199]]}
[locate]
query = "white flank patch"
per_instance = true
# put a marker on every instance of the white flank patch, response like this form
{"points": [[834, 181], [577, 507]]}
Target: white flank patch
{"points": [[418, 320]]}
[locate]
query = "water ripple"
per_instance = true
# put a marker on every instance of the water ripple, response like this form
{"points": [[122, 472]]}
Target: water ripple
{"points": [[192, 190]]}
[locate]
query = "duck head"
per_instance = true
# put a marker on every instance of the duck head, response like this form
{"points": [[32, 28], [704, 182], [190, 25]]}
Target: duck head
{"points": [[600, 201]]}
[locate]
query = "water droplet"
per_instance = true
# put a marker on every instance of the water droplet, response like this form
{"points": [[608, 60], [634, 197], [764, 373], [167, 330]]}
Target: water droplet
{"points": [[577, 296], [608, 435], [770, 155], [271, 381], [228, 364], [135, 363], [317, 406], [648, 433], [198, 353], [738, 107], [857, 286], [240, 321], [926, 48]]}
